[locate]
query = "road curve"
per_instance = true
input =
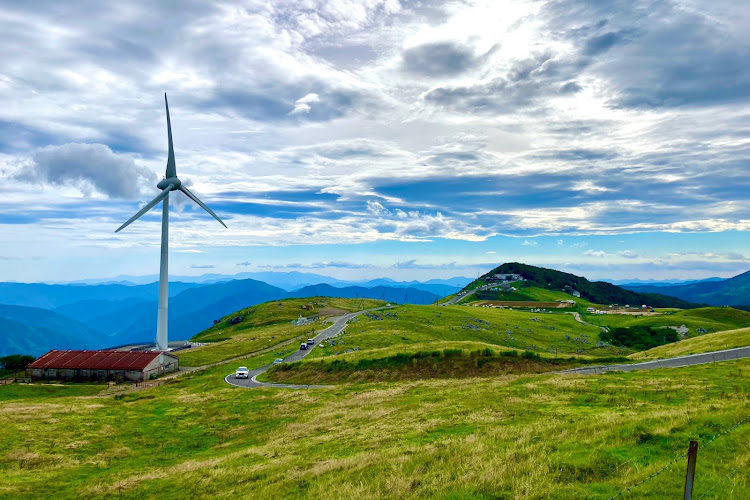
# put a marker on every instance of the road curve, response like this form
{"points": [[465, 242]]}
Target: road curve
{"points": [[677, 362], [252, 381]]}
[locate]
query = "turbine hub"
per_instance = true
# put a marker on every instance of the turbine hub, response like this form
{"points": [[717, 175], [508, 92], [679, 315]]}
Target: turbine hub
{"points": [[169, 180]]}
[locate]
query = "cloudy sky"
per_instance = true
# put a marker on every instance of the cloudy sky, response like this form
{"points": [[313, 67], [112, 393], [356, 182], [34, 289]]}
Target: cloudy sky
{"points": [[364, 138]]}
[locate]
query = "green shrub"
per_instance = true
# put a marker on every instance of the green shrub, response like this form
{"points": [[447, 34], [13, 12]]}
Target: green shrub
{"points": [[640, 337]]}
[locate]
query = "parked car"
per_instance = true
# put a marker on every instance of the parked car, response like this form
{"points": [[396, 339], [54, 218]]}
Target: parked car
{"points": [[310, 342], [303, 346], [277, 361], [242, 372]]}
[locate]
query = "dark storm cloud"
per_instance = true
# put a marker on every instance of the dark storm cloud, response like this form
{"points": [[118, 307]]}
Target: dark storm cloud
{"points": [[578, 155], [275, 102], [527, 83], [665, 55], [439, 59], [598, 44], [88, 168]]}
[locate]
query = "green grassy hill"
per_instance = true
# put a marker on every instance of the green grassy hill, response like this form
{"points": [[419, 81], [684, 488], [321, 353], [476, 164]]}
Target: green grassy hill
{"points": [[597, 292], [528, 292], [265, 325], [728, 339], [413, 328], [711, 319]]}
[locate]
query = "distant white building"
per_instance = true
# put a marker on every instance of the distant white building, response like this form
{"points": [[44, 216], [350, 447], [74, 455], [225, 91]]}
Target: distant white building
{"points": [[305, 321], [506, 277]]}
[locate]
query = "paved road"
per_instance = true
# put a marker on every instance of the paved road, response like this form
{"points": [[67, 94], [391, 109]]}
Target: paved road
{"points": [[250, 382], [678, 362], [459, 297]]}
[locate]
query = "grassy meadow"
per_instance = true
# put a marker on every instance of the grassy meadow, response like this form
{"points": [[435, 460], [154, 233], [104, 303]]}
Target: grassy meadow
{"points": [[711, 319], [511, 436], [412, 328], [264, 326], [728, 339], [450, 403]]}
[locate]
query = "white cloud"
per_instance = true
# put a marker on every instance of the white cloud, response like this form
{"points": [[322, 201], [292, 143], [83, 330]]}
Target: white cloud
{"points": [[595, 253], [628, 254], [376, 208], [529, 243], [302, 105]]}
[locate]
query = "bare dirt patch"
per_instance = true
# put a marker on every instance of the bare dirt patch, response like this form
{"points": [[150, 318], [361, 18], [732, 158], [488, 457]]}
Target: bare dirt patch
{"points": [[525, 303], [329, 311]]}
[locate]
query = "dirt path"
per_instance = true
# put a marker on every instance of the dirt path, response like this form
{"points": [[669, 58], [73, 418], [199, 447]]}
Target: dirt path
{"points": [[577, 317]]}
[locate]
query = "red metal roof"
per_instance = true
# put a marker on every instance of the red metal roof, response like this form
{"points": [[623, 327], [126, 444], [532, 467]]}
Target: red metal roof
{"points": [[96, 360]]}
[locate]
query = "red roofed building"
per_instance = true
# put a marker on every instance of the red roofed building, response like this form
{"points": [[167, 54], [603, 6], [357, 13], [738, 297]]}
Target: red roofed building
{"points": [[136, 366]]}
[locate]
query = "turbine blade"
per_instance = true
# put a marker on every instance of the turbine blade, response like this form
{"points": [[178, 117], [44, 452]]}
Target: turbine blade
{"points": [[199, 202], [148, 207], [171, 168]]}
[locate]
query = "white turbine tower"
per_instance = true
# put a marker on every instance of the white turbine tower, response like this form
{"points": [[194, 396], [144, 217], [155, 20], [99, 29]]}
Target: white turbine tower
{"points": [[169, 183]]}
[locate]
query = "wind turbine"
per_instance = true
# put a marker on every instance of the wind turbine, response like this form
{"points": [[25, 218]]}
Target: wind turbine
{"points": [[169, 183]]}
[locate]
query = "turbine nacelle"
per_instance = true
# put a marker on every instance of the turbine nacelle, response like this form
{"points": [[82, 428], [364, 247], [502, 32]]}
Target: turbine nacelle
{"points": [[174, 181], [170, 182]]}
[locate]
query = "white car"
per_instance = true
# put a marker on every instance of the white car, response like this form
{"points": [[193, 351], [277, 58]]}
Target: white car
{"points": [[303, 346], [242, 372], [277, 361], [310, 342]]}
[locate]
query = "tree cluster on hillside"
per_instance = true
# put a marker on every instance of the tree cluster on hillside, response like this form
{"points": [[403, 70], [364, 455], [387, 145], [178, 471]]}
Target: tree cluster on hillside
{"points": [[16, 361], [598, 292], [640, 337]]}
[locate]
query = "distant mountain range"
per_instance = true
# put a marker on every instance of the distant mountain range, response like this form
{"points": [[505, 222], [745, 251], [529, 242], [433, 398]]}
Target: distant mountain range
{"points": [[729, 292], [38, 317], [659, 283], [289, 281]]}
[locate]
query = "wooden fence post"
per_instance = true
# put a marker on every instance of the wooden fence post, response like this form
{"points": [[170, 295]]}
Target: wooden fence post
{"points": [[690, 474]]}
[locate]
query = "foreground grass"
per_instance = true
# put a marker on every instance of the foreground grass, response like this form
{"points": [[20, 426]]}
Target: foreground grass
{"points": [[528, 436], [710, 342]]}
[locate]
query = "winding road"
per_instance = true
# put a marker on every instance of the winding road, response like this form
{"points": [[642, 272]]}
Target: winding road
{"points": [[341, 322], [677, 362], [251, 382]]}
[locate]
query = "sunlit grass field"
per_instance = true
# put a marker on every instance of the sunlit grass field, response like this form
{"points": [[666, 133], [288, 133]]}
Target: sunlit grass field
{"points": [[712, 319], [413, 328], [531, 293], [728, 339], [525, 437], [486, 434], [265, 325]]}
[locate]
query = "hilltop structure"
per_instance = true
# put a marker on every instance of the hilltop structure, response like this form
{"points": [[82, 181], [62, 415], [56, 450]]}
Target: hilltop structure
{"points": [[118, 366]]}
